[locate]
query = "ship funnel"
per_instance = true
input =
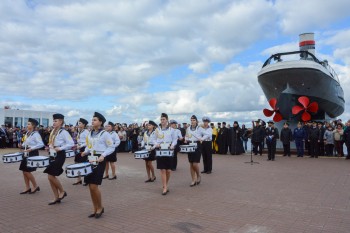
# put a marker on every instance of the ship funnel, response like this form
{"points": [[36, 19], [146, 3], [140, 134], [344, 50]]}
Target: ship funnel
{"points": [[307, 42]]}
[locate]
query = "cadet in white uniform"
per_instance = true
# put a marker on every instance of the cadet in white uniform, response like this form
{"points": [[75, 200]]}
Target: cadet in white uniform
{"points": [[150, 139], [99, 143], [112, 158], [165, 134], [81, 144], [179, 137], [207, 152], [59, 141], [32, 143], [194, 134]]}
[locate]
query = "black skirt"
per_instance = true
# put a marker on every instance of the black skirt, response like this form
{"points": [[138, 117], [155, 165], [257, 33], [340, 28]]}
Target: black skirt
{"points": [[78, 158], [195, 157], [56, 164], [112, 157], [23, 165], [164, 162], [152, 156], [97, 174]]}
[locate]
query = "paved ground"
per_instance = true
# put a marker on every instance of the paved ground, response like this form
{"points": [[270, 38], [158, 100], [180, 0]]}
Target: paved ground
{"points": [[287, 195]]}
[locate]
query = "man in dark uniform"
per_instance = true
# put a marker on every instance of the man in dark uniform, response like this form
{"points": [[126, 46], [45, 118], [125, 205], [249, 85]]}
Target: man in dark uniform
{"points": [[314, 137], [271, 135], [223, 139], [257, 137], [286, 137], [307, 128], [299, 136], [321, 143]]}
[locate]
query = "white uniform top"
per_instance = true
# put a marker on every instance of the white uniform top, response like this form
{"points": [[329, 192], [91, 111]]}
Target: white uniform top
{"points": [[167, 135], [33, 141], [115, 139], [81, 137], [63, 140], [100, 143], [149, 139], [207, 134], [195, 134], [178, 133]]}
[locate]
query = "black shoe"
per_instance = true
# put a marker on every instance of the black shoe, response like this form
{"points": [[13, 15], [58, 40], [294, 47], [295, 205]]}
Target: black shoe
{"points": [[98, 215], [165, 193], [105, 177], [273, 159], [54, 202], [25, 192], [78, 182], [37, 189], [85, 184], [92, 215], [198, 181], [149, 180], [64, 195], [268, 159], [209, 172], [284, 155], [203, 171], [113, 178], [193, 184], [153, 179]]}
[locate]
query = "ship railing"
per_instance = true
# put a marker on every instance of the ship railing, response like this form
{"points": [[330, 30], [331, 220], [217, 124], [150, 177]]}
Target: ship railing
{"points": [[304, 55]]}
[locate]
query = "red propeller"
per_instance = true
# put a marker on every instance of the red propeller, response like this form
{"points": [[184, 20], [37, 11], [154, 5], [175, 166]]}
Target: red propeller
{"points": [[306, 107], [267, 112]]}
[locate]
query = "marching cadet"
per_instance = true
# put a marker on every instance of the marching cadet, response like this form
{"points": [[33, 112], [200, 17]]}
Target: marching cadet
{"points": [[112, 158], [100, 144], [286, 137], [165, 134], [206, 141], [194, 134], [81, 144], [271, 138], [150, 139], [179, 137], [59, 141], [32, 143]]}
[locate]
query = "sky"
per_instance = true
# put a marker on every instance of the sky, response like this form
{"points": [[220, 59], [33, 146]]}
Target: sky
{"points": [[133, 60]]}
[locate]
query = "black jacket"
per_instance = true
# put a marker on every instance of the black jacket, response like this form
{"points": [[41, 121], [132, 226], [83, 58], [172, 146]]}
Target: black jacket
{"points": [[286, 135], [314, 134], [258, 134], [271, 132]]}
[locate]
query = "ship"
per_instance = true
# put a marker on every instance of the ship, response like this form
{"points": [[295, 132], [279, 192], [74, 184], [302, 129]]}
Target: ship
{"points": [[297, 78]]}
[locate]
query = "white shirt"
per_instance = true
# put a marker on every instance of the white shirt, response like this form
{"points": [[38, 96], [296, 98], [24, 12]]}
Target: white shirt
{"points": [[100, 143], [178, 134], [207, 134], [81, 138], [115, 139], [167, 135], [194, 135], [33, 141], [149, 139], [63, 140]]}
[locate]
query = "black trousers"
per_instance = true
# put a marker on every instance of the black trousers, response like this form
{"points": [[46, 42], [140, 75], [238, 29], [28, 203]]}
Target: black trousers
{"points": [[207, 156], [271, 149], [329, 149], [174, 164], [321, 148], [307, 147], [255, 147], [314, 148], [286, 149]]}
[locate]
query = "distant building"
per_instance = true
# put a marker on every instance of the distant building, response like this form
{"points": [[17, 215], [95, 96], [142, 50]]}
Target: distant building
{"points": [[19, 118]]}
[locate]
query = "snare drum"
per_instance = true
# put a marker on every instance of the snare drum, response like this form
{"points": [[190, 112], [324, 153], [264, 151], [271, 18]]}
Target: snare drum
{"points": [[38, 161], [70, 153], [164, 153], [164, 146], [142, 154], [12, 158], [78, 169], [188, 148]]}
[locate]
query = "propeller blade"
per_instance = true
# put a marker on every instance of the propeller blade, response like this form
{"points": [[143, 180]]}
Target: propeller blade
{"points": [[306, 116], [313, 107], [304, 101], [273, 103], [268, 112], [278, 117], [296, 109]]}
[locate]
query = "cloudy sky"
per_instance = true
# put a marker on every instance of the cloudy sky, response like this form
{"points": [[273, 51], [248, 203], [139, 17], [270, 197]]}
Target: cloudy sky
{"points": [[132, 60]]}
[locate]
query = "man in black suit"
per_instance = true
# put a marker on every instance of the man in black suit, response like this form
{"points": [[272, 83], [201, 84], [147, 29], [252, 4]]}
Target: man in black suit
{"points": [[271, 137]]}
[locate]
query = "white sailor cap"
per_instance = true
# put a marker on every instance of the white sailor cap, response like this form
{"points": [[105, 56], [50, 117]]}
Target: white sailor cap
{"points": [[205, 118], [173, 122]]}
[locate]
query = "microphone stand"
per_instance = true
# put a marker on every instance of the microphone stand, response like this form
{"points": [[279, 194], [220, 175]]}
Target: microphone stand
{"points": [[251, 149]]}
